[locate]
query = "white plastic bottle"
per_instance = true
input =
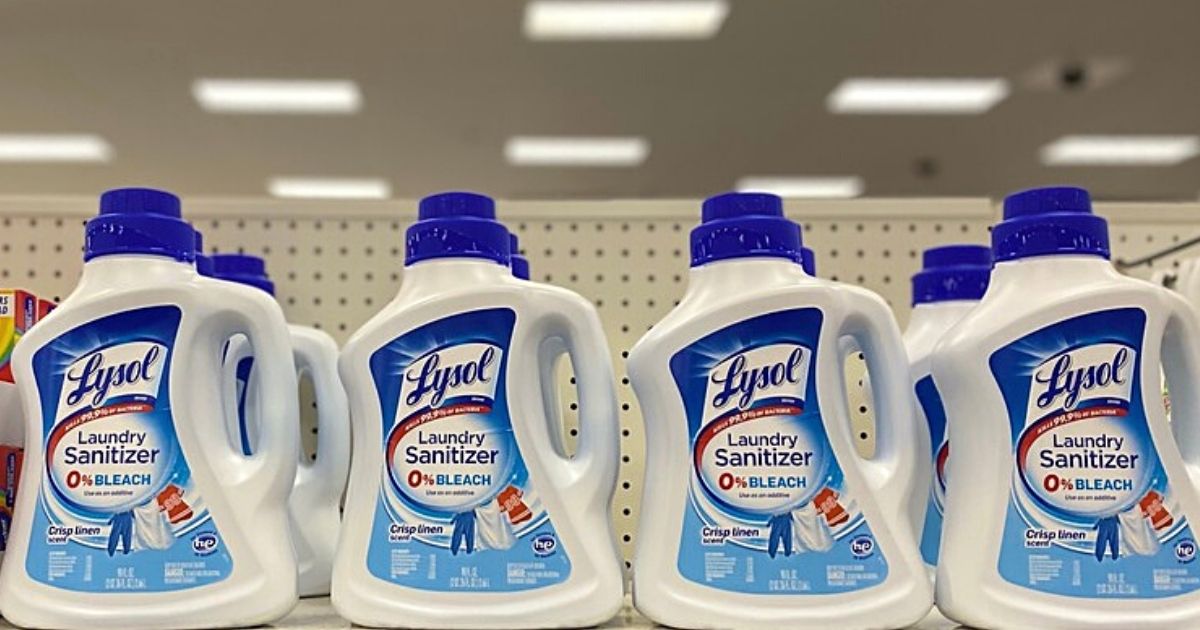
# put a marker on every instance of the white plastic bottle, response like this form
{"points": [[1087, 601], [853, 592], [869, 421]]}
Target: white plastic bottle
{"points": [[552, 350], [757, 511], [952, 280], [1071, 498], [460, 512], [134, 510], [315, 506]]}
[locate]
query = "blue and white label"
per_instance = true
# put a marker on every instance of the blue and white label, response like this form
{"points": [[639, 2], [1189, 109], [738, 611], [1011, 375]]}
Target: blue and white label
{"points": [[118, 509], [457, 510], [935, 418], [1092, 513], [768, 511]]}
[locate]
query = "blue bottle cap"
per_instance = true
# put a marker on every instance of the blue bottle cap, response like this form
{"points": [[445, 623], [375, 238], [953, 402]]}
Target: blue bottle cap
{"points": [[1049, 221], [243, 269], [742, 225], [203, 263], [139, 221], [952, 272], [457, 225], [808, 260], [520, 264]]}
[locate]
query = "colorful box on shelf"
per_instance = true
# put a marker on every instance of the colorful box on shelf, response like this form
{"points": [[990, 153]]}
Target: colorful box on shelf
{"points": [[18, 313], [44, 307], [10, 476]]}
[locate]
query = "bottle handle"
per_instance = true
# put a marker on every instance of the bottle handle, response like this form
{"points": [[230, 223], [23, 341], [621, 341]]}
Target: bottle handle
{"points": [[317, 354], [270, 470], [1181, 362], [566, 324], [549, 352], [899, 471]]}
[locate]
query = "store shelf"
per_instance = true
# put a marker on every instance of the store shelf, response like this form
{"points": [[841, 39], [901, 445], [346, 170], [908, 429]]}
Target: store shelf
{"points": [[337, 263], [317, 614]]}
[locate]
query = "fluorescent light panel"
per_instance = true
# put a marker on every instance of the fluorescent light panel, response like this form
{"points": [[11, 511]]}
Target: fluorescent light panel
{"points": [[328, 188], [54, 148], [576, 151], [916, 96], [804, 187], [1083, 150], [277, 96], [624, 20]]}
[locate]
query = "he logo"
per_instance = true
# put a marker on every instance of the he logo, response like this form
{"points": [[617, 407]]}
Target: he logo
{"points": [[1185, 550], [862, 546], [544, 545], [204, 543]]}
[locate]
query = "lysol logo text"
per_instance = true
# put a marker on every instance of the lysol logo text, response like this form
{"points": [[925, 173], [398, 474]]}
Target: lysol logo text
{"points": [[1096, 371], [776, 370], [458, 370], [131, 368]]}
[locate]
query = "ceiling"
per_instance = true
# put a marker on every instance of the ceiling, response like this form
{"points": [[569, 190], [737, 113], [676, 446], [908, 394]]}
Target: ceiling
{"points": [[445, 82]]}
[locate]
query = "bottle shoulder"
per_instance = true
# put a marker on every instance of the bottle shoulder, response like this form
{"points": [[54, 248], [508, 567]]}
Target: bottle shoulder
{"points": [[195, 297], [694, 318], [310, 336], [1014, 309], [409, 310]]}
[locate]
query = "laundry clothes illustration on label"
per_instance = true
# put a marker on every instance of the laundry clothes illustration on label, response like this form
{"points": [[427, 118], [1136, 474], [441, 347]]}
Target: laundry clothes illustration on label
{"points": [[118, 509], [935, 416], [1092, 512], [768, 509], [457, 510]]}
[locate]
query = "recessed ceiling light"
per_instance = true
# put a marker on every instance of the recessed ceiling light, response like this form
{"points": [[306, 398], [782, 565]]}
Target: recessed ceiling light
{"points": [[1120, 150], [53, 148], [277, 96], [624, 19], [576, 151], [916, 96], [328, 188], [804, 187]]}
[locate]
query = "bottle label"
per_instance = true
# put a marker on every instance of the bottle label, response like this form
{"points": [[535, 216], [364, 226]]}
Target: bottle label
{"points": [[935, 417], [768, 508], [1091, 510], [118, 509], [457, 510]]}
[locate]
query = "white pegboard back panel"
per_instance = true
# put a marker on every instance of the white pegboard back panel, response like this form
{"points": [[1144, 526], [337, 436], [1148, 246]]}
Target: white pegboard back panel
{"points": [[336, 263]]}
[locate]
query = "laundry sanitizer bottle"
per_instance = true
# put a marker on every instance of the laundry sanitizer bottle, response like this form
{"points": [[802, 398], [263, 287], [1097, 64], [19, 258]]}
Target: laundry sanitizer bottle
{"points": [[1070, 499], [948, 286], [460, 511], [134, 511], [758, 512], [552, 350], [315, 506]]}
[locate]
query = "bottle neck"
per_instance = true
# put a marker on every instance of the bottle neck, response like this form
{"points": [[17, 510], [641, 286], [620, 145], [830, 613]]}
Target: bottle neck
{"points": [[133, 271], [1061, 269], [440, 274], [743, 273]]}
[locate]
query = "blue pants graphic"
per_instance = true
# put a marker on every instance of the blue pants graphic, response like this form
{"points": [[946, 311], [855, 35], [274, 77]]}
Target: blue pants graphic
{"points": [[463, 535], [121, 532], [781, 534], [1108, 535]]}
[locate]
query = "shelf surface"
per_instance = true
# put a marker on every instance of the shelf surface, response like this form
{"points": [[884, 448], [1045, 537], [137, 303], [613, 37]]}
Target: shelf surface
{"points": [[317, 614]]}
